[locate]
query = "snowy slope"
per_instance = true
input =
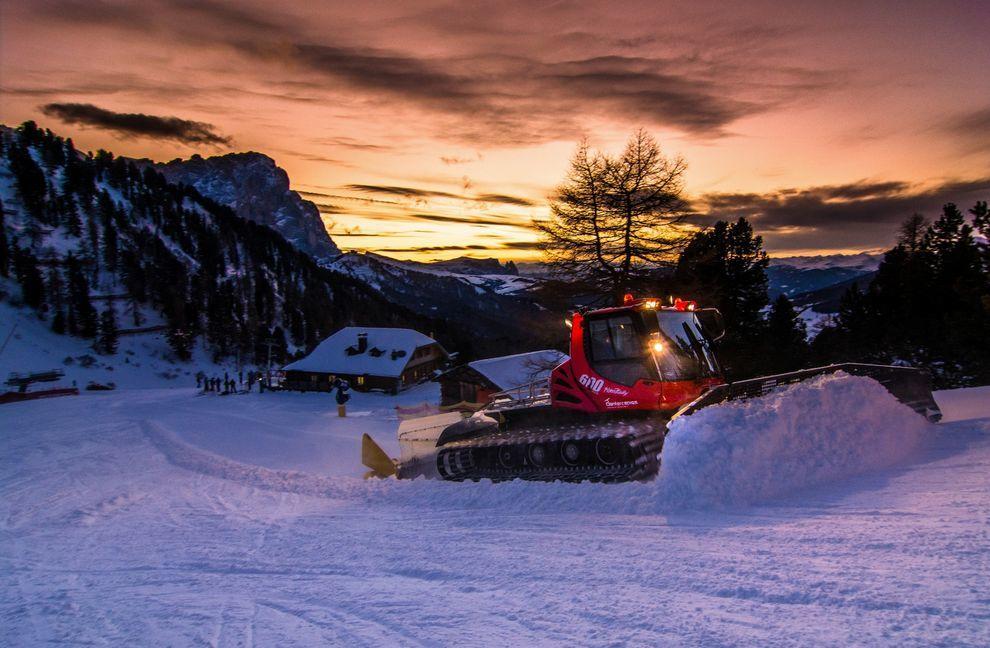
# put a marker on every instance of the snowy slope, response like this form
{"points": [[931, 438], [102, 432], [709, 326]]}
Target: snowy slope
{"points": [[159, 517], [141, 361]]}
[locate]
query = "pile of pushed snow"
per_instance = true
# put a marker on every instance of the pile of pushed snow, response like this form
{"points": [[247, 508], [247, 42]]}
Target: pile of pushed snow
{"points": [[738, 453], [815, 432]]}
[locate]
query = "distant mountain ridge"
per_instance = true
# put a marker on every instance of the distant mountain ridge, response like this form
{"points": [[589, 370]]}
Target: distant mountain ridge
{"points": [[863, 261], [798, 275], [498, 310], [257, 190]]}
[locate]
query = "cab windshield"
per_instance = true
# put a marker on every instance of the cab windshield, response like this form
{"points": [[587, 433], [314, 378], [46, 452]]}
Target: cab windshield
{"points": [[619, 347], [686, 353]]}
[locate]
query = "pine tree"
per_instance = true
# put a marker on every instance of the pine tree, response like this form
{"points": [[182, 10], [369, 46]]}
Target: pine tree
{"points": [[787, 337], [82, 316], [725, 267], [73, 224], [58, 321], [56, 294], [4, 246], [29, 277], [30, 179], [108, 220], [107, 343], [93, 254], [179, 337], [614, 220]]}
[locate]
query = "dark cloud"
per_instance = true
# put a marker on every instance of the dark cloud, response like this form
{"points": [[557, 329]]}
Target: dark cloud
{"points": [[404, 192], [437, 248], [136, 124], [95, 12], [648, 89], [424, 194], [230, 15], [975, 123], [149, 15], [466, 220], [863, 214], [521, 245], [330, 210], [504, 199], [334, 196], [972, 128], [541, 91], [351, 143], [503, 99], [383, 70], [453, 159]]}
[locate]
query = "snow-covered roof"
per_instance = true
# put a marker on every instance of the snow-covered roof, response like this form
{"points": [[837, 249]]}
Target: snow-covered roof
{"points": [[395, 344], [520, 369]]}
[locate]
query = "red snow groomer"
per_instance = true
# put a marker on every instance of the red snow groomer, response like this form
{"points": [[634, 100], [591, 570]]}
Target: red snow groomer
{"points": [[603, 413]]}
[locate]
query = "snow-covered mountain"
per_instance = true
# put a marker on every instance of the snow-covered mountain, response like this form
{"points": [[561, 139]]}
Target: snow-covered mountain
{"points": [[258, 190], [495, 308], [863, 261], [488, 275], [472, 266], [795, 275]]}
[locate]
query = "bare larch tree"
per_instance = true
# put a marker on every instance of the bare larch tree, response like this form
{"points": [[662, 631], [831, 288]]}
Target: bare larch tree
{"points": [[615, 219]]}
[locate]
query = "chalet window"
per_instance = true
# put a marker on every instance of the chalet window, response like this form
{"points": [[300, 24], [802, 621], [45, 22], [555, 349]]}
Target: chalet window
{"points": [[360, 380]]}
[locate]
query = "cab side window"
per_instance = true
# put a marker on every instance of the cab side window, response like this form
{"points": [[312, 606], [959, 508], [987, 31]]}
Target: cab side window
{"points": [[616, 350]]}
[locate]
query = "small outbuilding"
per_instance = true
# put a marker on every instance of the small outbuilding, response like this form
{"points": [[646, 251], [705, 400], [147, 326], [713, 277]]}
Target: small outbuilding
{"points": [[475, 382], [388, 359]]}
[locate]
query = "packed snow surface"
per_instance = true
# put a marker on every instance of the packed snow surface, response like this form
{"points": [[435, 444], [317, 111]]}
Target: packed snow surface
{"points": [[157, 516]]}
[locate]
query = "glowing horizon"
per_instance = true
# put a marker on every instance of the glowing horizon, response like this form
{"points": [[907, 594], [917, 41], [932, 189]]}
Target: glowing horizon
{"points": [[425, 130]]}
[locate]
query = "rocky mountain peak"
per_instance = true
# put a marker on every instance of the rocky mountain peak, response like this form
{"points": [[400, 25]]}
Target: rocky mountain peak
{"points": [[257, 189]]}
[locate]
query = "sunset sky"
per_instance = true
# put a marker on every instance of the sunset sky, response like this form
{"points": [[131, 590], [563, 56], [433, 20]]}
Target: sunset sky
{"points": [[435, 129]]}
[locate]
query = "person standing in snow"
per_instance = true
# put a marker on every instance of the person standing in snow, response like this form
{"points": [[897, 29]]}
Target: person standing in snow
{"points": [[342, 397]]}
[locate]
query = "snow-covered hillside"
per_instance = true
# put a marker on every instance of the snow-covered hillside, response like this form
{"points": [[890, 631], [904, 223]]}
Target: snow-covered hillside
{"points": [[163, 517], [142, 360]]}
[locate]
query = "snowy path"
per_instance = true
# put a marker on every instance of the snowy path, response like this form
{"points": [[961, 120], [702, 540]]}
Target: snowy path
{"points": [[112, 533]]}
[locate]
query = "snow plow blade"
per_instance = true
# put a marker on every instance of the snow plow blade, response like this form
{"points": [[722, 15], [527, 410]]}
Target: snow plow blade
{"points": [[373, 457], [908, 385]]}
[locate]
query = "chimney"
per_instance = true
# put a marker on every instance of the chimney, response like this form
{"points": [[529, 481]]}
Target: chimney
{"points": [[362, 342]]}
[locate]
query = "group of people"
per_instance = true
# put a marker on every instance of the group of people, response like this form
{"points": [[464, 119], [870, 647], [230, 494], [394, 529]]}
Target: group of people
{"points": [[227, 384]]}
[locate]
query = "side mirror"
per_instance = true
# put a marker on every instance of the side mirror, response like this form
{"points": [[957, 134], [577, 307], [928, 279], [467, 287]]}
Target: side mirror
{"points": [[712, 323]]}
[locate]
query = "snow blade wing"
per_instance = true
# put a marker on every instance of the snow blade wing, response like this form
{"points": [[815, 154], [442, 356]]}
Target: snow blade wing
{"points": [[373, 457], [909, 385]]}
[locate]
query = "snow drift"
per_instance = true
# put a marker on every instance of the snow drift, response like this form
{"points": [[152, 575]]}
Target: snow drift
{"points": [[814, 433], [819, 431]]}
